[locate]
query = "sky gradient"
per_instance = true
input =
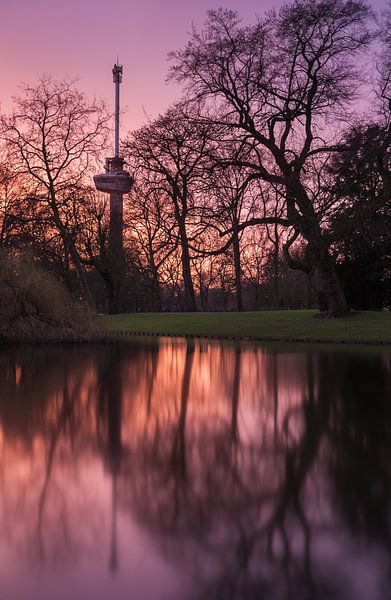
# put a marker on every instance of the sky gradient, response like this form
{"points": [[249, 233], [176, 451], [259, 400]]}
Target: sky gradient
{"points": [[82, 38]]}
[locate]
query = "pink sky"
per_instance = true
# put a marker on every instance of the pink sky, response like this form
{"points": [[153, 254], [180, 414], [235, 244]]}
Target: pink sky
{"points": [[81, 38]]}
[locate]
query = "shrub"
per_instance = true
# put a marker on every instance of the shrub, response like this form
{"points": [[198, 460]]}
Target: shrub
{"points": [[35, 306]]}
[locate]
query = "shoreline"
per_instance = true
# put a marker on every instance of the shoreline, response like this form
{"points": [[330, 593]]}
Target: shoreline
{"points": [[228, 338], [301, 326]]}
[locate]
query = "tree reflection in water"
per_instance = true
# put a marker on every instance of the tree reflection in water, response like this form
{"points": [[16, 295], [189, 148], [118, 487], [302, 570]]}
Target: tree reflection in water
{"points": [[252, 512], [263, 473]]}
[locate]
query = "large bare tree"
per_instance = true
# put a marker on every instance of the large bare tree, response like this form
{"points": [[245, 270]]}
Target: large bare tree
{"points": [[53, 139], [172, 149], [280, 86], [152, 227]]}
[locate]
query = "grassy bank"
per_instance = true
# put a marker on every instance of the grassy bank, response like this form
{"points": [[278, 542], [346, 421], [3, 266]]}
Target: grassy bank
{"points": [[300, 325]]}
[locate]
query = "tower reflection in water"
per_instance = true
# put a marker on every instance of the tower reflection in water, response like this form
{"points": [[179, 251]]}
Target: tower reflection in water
{"points": [[262, 473], [110, 415]]}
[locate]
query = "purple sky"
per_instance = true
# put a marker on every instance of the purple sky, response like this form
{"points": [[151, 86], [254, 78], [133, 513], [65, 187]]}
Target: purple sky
{"points": [[81, 38]]}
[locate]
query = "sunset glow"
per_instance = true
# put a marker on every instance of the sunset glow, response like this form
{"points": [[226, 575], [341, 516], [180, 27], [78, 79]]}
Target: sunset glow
{"points": [[83, 39]]}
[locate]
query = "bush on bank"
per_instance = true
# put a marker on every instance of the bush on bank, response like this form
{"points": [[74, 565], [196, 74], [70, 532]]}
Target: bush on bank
{"points": [[35, 306]]}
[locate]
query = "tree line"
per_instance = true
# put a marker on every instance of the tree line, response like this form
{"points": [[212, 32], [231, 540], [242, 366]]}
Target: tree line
{"points": [[266, 185]]}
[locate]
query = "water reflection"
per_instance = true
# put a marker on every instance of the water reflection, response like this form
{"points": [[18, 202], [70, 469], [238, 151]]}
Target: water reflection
{"points": [[194, 470]]}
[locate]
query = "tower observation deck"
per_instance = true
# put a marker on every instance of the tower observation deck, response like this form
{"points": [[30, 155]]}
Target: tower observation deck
{"points": [[116, 182]]}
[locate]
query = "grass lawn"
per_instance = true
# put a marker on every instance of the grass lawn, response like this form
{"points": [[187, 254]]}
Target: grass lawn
{"points": [[283, 325]]}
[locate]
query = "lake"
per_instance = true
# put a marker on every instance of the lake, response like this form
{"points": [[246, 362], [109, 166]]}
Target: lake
{"points": [[166, 469]]}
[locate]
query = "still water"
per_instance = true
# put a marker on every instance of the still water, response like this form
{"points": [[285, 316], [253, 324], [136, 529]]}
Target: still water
{"points": [[176, 470]]}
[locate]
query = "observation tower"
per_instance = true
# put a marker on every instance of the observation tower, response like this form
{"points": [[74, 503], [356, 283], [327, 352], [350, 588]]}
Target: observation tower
{"points": [[116, 182]]}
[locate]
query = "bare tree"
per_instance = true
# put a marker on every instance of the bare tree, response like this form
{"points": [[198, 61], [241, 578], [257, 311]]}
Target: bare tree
{"points": [[152, 227], [172, 148], [227, 206], [53, 138], [275, 85]]}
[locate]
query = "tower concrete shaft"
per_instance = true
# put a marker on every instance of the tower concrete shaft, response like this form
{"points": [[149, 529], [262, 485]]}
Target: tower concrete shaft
{"points": [[116, 182]]}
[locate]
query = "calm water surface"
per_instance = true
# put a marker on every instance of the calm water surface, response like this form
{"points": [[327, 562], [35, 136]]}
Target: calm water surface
{"points": [[176, 470]]}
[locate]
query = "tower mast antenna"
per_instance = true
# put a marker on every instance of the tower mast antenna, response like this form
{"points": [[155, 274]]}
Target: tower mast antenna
{"points": [[117, 78]]}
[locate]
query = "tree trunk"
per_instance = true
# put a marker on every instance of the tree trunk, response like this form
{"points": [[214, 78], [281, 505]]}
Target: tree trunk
{"points": [[190, 303], [113, 296], [326, 284], [319, 266], [317, 261], [157, 305], [238, 270], [85, 290], [322, 272], [276, 268], [156, 295], [70, 247]]}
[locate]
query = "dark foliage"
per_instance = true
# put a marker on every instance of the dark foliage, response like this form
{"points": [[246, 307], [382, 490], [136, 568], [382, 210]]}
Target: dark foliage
{"points": [[34, 306], [361, 227]]}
